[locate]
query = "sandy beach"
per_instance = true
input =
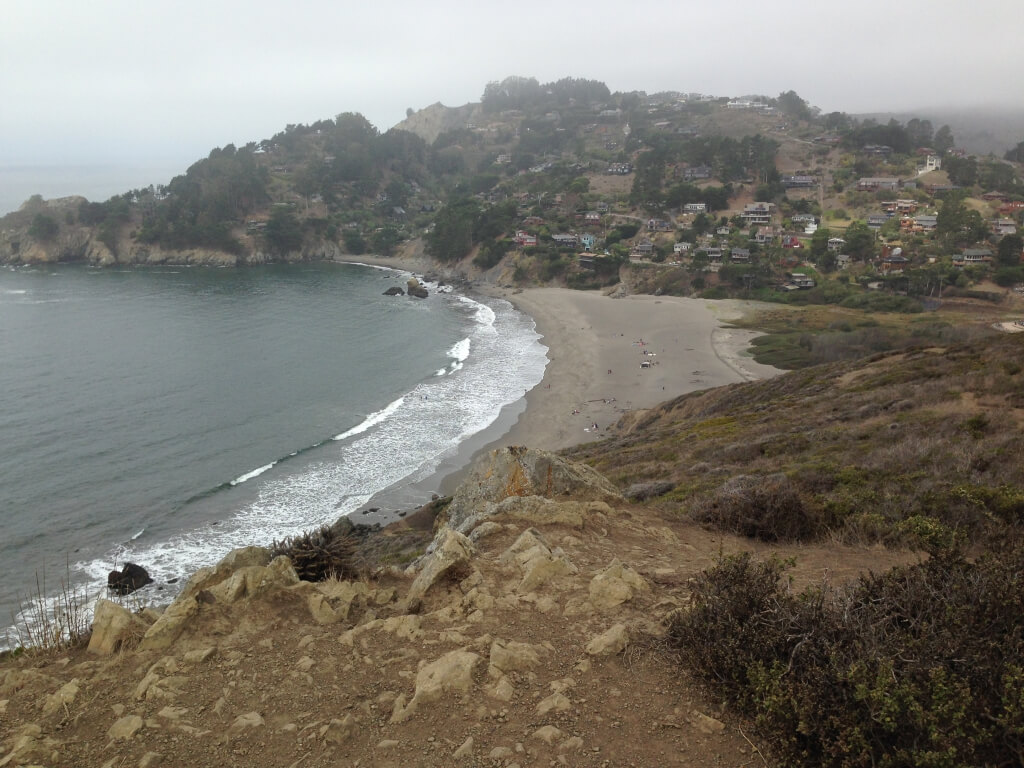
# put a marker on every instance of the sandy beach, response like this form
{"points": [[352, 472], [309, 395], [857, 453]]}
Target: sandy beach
{"points": [[607, 356], [610, 355]]}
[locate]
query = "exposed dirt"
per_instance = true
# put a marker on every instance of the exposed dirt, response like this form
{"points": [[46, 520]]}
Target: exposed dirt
{"points": [[281, 689]]}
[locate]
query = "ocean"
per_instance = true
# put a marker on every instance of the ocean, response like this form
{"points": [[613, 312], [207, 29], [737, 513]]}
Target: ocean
{"points": [[165, 416], [97, 182]]}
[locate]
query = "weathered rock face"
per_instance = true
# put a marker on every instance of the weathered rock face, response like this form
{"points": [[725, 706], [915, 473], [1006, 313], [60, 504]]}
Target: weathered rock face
{"points": [[130, 578], [394, 291], [113, 627], [517, 471]]}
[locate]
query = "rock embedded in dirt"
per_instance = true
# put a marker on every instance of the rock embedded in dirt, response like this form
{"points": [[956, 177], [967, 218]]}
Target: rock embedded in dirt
{"points": [[608, 643]]}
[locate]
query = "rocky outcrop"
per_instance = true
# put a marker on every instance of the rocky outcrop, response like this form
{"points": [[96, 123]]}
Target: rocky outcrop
{"points": [[114, 626], [415, 288], [394, 291], [517, 471]]}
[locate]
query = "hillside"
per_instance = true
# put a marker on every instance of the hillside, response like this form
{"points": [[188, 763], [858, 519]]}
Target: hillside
{"points": [[538, 629], [568, 184]]}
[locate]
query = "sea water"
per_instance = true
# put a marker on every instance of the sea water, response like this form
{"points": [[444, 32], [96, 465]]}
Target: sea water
{"points": [[167, 415]]}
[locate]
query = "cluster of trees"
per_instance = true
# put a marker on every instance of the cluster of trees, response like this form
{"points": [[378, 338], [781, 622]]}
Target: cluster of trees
{"points": [[463, 223], [903, 139], [527, 94], [730, 159]]}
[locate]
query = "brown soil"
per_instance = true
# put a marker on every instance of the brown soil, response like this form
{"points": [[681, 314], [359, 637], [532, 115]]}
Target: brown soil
{"points": [[324, 697]]}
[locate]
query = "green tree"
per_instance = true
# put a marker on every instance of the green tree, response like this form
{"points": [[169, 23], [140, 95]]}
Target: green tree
{"points": [[283, 233], [819, 242], [354, 242], [943, 139], [860, 241], [43, 227], [1009, 252], [1016, 154], [385, 240]]}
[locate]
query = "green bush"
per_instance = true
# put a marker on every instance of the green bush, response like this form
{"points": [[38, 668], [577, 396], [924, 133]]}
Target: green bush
{"points": [[921, 666]]}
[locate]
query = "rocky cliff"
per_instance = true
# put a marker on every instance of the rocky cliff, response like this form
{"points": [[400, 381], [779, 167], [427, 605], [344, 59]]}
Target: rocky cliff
{"points": [[529, 634]]}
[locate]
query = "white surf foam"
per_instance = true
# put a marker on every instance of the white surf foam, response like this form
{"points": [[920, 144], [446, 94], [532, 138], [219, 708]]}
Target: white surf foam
{"points": [[404, 442], [255, 473], [372, 419]]}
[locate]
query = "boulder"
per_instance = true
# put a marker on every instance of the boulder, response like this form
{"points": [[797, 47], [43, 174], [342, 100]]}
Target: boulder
{"points": [[517, 471], [130, 578], [452, 555], [172, 622], [413, 288], [515, 657], [63, 698], [125, 727], [112, 627], [394, 291], [615, 585], [610, 642], [453, 672]]}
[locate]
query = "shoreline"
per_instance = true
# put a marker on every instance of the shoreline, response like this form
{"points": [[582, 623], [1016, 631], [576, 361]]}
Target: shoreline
{"points": [[596, 345]]}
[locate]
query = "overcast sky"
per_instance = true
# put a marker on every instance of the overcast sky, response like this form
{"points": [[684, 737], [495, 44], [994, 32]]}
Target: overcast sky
{"points": [[157, 82]]}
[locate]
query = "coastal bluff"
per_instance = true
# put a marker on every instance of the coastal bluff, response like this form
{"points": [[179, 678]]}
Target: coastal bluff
{"points": [[528, 632]]}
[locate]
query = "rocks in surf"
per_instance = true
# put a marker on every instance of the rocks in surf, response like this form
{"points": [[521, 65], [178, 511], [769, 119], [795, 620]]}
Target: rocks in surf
{"points": [[130, 578]]}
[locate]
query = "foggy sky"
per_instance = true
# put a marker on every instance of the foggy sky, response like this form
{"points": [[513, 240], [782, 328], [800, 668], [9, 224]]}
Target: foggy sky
{"points": [[153, 82]]}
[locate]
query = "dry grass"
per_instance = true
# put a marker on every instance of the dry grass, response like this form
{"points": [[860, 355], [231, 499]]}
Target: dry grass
{"points": [[51, 624], [866, 444]]}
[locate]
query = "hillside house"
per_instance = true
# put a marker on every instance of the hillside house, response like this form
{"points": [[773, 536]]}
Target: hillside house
{"points": [[644, 248], [588, 241], [799, 182], [601, 206], [972, 257], [791, 241], [757, 213], [524, 239], [739, 256], [697, 172], [681, 247], [876, 220], [803, 218], [927, 222], [875, 183], [1001, 227], [659, 225], [723, 231], [695, 208], [882, 150], [800, 280], [566, 240], [764, 236], [836, 244], [711, 252], [620, 169], [894, 264], [592, 217], [843, 261]]}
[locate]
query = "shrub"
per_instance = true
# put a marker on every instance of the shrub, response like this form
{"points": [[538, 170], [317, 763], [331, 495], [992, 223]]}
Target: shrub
{"points": [[922, 666], [320, 555], [767, 508]]}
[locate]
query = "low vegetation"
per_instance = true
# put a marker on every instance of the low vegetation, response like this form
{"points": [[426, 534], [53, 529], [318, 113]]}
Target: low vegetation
{"points": [[321, 554], [920, 666], [900, 449]]}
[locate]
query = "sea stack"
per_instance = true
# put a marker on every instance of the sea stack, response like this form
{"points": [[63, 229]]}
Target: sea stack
{"points": [[413, 288]]}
